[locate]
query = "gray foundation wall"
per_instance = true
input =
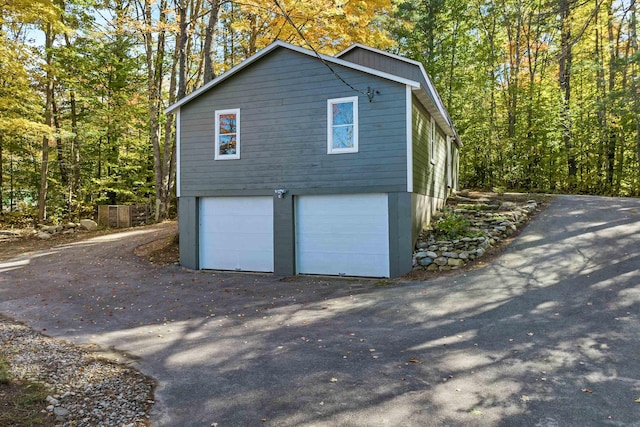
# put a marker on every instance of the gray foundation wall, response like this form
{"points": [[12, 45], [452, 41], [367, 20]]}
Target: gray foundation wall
{"points": [[188, 228], [400, 234], [284, 236]]}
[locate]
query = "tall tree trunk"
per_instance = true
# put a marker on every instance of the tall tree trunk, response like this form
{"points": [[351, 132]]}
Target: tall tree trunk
{"points": [[486, 165], [601, 105], [169, 147], [452, 64], [74, 183], [634, 90], [74, 155], [155, 59], [48, 117], [11, 184], [535, 59], [62, 167], [209, 51], [182, 46], [512, 79], [564, 77], [612, 133], [1, 177]]}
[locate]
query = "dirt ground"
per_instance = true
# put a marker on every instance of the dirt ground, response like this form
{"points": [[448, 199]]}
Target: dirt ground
{"points": [[162, 251], [28, 242]]}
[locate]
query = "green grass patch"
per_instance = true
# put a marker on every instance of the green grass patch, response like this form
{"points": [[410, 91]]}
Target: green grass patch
{"points": [[451, 226], [476, 207], [501, 218], [383, 282], [21, 403], [4, 371]]}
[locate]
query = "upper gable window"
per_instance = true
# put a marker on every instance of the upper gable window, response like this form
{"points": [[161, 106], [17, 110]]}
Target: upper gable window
{"points": [[227, 134], [342, 125]]}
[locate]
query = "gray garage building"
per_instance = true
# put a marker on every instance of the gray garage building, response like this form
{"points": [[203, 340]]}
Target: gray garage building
{"points": [[294, 164]]}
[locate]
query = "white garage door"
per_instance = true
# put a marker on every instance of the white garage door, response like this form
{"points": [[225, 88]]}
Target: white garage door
{"points": [[343, 235], [236, 233]]}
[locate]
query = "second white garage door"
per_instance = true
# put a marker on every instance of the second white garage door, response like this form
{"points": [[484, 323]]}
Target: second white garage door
{"points": [[342, 235], [236, 233]]}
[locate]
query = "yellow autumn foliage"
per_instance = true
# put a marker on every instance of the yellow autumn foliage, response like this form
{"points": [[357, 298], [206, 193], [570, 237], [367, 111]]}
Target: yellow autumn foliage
{"points": [[31, 12], [327, 25]]}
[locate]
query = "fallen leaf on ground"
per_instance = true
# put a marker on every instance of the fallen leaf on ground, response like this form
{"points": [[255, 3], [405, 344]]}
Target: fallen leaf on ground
{"points": [[413, 360]]}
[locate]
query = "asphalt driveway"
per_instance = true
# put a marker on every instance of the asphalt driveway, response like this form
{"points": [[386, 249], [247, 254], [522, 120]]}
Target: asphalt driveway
{"points": [[547, 335]]}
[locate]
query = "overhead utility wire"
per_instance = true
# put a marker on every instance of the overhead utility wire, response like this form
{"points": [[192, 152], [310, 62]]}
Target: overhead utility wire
{"points": [[370, 93]]}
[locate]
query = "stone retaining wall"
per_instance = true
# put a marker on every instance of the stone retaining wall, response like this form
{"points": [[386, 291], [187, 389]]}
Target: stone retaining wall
{"points": [[490, 223]]}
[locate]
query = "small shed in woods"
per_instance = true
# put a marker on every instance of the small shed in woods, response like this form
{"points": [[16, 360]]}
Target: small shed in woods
{"points": [[122, 216]]}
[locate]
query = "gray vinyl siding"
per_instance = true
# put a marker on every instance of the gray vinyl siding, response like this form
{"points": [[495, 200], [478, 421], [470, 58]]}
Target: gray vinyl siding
{"points": [[440, 189], [387, 64], [384, 63], [428, 178], [283, 132]]}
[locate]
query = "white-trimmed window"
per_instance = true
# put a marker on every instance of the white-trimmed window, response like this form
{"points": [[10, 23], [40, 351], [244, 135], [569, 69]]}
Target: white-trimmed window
{"points": [[433, 134], [342, 125], [227, 134]]}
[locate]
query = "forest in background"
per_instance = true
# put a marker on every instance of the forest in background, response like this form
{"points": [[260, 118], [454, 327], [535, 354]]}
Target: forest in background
{"points": [[544, 94]]}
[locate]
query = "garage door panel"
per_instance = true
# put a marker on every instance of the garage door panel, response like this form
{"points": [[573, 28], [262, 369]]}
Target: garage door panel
{"points": [[343, 243], [346, 267], [251, 224], [321, 225], [343, 204], [343, 234], [236, 233], [221, 241]]}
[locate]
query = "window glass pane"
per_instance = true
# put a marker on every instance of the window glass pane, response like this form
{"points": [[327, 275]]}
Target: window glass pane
{"points": [[343, 113], [343, 137], [227, 123], [227, 144]]}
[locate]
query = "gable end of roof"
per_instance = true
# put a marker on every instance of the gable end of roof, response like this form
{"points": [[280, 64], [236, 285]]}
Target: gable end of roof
{"points": [[280, 44]]}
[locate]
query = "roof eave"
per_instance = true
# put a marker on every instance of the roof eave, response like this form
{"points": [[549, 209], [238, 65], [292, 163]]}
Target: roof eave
{"points": [[443, 121]]}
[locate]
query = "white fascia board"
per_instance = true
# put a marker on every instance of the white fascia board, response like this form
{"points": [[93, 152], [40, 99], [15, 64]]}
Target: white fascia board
{"points": [[430, 88], [409, 118], [178, 152], [273, 46]]}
